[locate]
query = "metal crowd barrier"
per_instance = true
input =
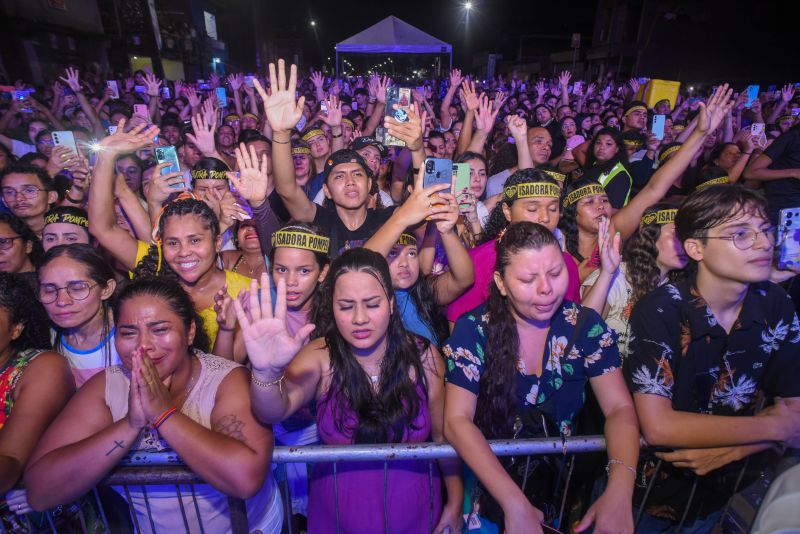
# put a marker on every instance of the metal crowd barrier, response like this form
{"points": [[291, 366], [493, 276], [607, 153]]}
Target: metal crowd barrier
{"points": [[143, 469]]}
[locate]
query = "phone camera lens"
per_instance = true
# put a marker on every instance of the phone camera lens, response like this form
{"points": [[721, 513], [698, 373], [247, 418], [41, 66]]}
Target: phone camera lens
{"points": [[429, 167]]}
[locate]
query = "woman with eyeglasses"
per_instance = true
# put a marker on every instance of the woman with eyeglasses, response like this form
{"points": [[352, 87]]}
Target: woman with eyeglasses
{"points": [[75, 287]]}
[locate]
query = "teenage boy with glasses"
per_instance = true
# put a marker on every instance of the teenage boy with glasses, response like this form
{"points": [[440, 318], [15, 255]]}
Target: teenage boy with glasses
{"points": [[701, 352]]}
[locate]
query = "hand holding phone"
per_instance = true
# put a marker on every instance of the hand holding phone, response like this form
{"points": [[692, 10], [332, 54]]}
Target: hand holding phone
{"points": [[752, 95], [657, 126], [65, 139], [438, 171], [168, 154], [789, 238], [141, 110], [756, 129], [112, 85]]}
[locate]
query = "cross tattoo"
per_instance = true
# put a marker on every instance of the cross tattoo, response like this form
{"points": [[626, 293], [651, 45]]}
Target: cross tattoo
{"points": [[117, 445]]}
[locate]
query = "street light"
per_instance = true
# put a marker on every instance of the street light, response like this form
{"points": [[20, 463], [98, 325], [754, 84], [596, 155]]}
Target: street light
{"points": [[313, 22]]}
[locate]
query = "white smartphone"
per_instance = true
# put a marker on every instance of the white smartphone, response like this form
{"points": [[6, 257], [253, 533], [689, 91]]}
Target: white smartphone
{"points": [[141, 110], [756, 129], [65, 139], [789, 237]]}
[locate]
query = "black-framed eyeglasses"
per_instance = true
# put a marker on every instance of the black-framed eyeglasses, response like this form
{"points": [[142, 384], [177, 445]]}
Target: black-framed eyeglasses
{"points": [[77, 290], [8, 242], [746, 239], [28, 191]]}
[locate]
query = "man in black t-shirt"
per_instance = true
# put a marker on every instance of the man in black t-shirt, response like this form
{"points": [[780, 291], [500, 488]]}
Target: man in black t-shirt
{"points": [[702, 349], [779, 168]]}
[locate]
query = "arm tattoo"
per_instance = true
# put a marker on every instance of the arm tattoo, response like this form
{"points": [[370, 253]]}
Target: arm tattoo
{"points": [[231, 426], [117, 445]]}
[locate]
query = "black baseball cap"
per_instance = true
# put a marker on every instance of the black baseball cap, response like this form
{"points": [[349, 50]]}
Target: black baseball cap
{"points": [[344, 156], [364, 141]]}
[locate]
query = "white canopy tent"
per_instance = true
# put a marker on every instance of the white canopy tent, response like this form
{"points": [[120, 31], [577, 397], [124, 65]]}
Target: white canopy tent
{"points": [[393, 36]]}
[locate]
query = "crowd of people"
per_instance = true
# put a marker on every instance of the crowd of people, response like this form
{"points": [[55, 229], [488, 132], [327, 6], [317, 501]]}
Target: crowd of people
{"points": [[215, 275]]}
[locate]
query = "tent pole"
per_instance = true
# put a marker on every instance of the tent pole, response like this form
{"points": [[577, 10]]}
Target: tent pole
{"points": [[337, 63], [451, 60]]}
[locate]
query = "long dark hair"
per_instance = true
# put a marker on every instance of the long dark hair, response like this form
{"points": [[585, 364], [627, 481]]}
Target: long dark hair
{"points": [[497, 401], [620, 156], [497, 220], [568, 224], [384, 416], [641, 254], [174, 296], [149, 265], [22, 306], [99, 271], [19, 227]]}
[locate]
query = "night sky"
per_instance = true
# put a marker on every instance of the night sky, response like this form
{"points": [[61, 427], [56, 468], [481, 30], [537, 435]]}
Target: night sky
{"points": [[493, 25]]}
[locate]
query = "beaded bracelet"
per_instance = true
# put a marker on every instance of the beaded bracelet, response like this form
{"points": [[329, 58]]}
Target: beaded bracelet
{"points": [[282, 142], [164, 416]]}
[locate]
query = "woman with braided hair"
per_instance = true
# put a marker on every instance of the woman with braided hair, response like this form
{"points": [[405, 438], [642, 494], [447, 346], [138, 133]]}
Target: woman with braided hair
{"points": [[186, 244]]}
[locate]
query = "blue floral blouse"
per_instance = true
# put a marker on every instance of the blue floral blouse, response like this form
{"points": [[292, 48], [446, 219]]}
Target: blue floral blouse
{"points": [[563, 377]]}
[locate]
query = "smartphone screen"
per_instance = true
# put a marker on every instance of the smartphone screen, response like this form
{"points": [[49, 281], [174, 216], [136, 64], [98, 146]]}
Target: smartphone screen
{"points": [[248, 81], [438, 171], [658, 126], [398, 101], [222, 97], [66, 139], [461, 174], [752, 95], [165, 93], [323, 106], [112, 84], [140, 89], [789, 236]]}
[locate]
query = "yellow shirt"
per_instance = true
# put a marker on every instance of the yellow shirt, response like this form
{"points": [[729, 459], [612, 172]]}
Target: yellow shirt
{"points": [[235, 282]]}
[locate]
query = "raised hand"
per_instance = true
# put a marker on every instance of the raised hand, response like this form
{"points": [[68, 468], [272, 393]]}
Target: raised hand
{"points": [[129, 84], [469, 97], [634, 85], [214, 80], [124, 142], [609, 246], [713, 112], [163, 185], [541, 88], [517, 126], [383, 84], [152, 84], [209, 110], [72, 79], [223, 307], [282, 109], [334, 116], [235, 81], [410, 131], [485, 116], [270, 346], [455, 78], [591, 89], [500, 98], [318, 79], [179, 85], [203, 136], [252, 183], [563, 79], [787, 93], [226, 208], [191, 96]]}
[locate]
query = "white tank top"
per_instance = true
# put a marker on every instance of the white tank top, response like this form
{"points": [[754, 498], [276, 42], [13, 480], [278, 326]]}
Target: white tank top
{"points": [[264, 510]]}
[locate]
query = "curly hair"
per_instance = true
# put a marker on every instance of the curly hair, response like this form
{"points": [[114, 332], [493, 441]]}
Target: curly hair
{"points": [[19, 227], [175, 297], [497, 221], [497, 402], [22, 306], [387, 415], [620, 156], [641, 254], [149, 265]]}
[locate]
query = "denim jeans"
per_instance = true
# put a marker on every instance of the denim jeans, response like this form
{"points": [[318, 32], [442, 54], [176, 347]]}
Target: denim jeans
{"points": [[656, 525]]}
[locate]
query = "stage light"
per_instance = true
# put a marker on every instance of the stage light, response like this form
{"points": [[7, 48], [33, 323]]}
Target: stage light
{"points": [[313, 22], [468, 6]]}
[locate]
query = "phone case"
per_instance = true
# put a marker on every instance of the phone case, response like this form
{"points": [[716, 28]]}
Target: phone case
{"points": [[66, 139], [400, 96], [789, 237], [112, 84], [756, 129], [438, 171], [141, 110], [658, 126], [461, 173], [752, 94], [168, 154]]}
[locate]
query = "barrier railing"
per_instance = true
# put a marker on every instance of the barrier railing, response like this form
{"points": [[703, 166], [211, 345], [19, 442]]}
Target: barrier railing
{"points": [[165, 469]]}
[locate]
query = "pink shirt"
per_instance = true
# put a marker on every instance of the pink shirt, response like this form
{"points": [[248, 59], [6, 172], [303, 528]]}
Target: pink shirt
{"points": [[483, 258]]}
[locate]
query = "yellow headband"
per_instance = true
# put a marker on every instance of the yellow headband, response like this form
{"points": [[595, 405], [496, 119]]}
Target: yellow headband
{"points": [[348, 121], [715, 181], [632, 142], [667, 152], [312, 133], [78, 220], [301, 150], [531, 189], [585, 191], [556, 175], [635, 108], [407, 239], [205, 174], [659, 217], [250, 116], [678, 127], [302, 240]]}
